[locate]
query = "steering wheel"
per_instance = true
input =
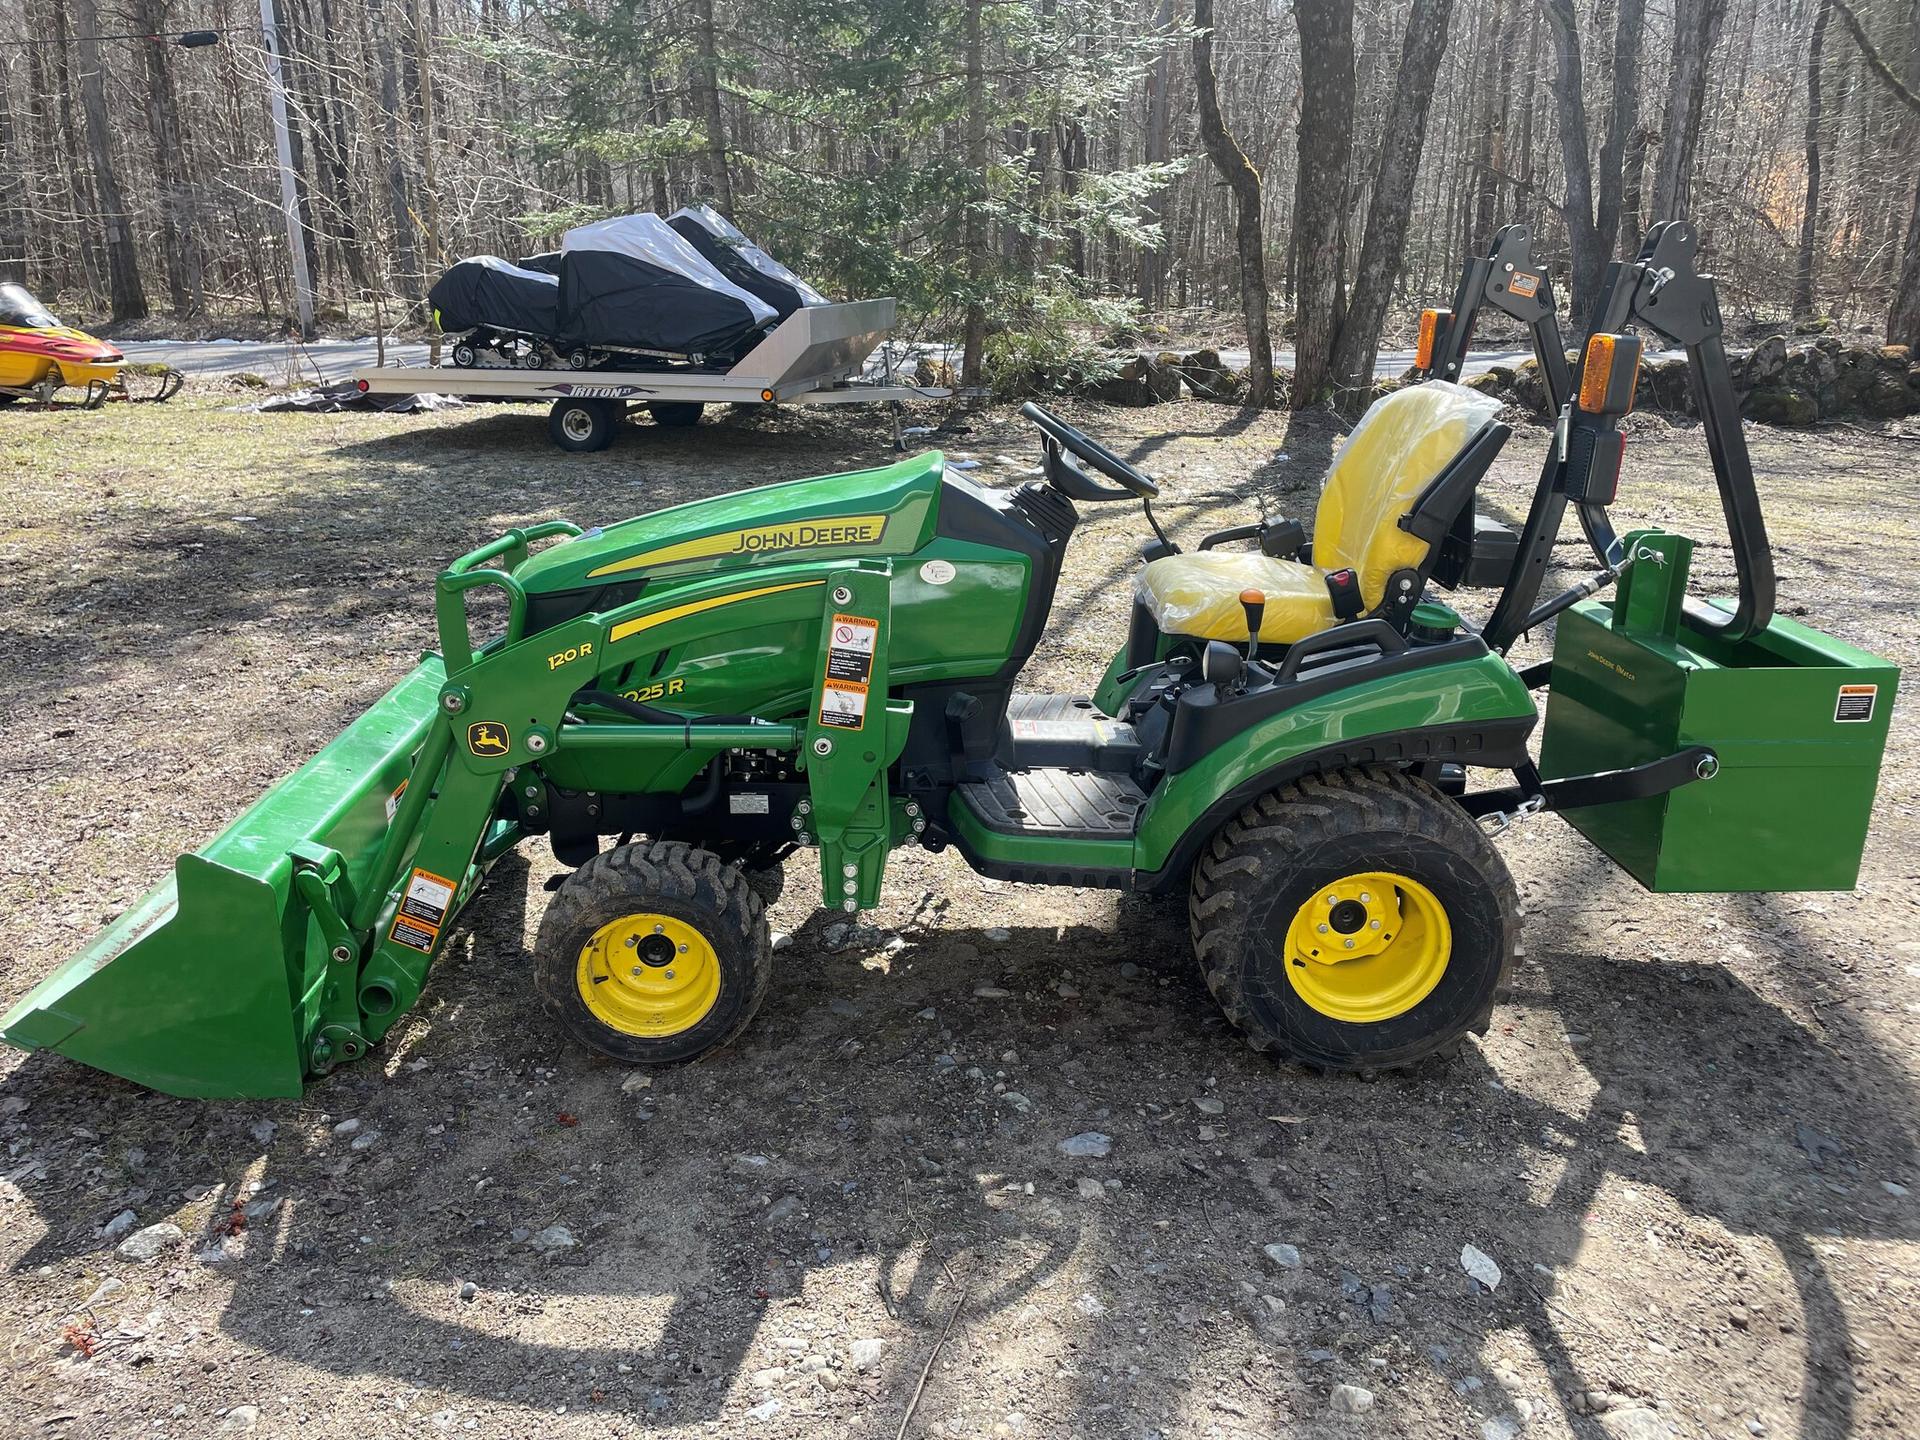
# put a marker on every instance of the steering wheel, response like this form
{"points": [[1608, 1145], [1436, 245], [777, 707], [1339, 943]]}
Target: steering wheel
{"points": [[1066, 475]]}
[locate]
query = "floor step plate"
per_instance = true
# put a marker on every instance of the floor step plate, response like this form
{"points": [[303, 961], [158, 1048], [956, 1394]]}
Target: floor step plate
{"points": [[1070, 804]]}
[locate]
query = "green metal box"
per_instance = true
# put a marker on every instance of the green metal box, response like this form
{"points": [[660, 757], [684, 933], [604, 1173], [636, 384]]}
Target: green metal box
{"points": [[1798, 719]]}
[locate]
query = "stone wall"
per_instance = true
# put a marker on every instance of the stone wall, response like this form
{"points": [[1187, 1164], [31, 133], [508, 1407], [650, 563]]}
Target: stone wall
{"points": [[1777, 384]]}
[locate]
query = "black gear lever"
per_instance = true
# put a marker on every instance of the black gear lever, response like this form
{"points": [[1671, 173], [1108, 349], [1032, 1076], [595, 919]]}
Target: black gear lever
{"points": [[1254, 602]]}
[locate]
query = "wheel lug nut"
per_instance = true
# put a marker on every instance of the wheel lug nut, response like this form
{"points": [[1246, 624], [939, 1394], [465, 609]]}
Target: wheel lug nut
{"points": [[1376, 924], [1349, 944], [1323, 929], [1365, 899]]}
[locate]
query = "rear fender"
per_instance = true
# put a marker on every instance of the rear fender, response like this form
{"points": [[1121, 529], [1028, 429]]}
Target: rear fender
{"points": [[1473, 711]]}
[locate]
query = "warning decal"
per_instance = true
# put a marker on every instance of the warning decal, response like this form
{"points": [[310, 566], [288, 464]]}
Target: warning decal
{"points": [[1524, 285], [428, 898], [414, 937], [1854, 704], [843, 705], [424, 907], [850, 646]]}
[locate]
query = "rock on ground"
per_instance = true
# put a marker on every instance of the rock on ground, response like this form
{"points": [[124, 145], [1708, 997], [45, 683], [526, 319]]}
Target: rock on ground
{"points": [[150, 1243]]}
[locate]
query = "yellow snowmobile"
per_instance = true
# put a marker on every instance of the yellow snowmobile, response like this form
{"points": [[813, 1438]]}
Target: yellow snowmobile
{"points": [[39, 356]]}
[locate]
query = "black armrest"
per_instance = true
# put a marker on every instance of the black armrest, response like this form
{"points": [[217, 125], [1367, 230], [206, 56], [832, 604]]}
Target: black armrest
{"points": [[1236, 532], [1283, 539], [1279, 539]]}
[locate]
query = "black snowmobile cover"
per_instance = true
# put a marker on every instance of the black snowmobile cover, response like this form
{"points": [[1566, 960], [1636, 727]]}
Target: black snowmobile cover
{"points": [[730, 252], [486, 290], [634, 283], [547, 262]]}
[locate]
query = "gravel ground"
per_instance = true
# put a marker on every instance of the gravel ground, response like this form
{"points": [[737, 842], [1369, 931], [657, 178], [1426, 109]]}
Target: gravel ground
{"points": [[1685, 1143]]}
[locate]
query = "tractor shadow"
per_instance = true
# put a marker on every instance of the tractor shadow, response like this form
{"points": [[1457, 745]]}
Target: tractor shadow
{"points": [[887, 1132]]}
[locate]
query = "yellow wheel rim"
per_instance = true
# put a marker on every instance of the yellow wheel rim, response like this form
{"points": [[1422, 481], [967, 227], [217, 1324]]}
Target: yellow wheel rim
{"points": [[1368, 947], [650, 975]]}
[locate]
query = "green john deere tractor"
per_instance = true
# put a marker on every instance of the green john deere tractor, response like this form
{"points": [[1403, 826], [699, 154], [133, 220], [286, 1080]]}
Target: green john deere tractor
{"points": [[1293, 733]]}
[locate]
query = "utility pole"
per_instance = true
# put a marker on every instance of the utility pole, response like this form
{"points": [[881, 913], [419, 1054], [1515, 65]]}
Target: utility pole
{"points": [[289, 193]]}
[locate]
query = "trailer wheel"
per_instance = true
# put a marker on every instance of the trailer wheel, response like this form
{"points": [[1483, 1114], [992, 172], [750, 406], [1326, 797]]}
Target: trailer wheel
{"points": [[1355, 921], [676, 414], [579, 359], [580, 424], [653, 953]]}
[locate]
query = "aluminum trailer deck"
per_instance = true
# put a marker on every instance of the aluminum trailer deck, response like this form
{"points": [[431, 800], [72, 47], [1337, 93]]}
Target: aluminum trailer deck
{"points": [[814, 357]]}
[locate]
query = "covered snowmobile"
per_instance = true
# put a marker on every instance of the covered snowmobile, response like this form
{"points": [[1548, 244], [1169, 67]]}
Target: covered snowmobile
{"points": [[505, 308], [39, 356], [730, 252], [635, 284]]}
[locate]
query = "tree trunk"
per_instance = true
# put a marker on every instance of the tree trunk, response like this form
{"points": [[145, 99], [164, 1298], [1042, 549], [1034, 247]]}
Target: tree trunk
{"points": [[126, 295], [1803, 278], [179, 219], [973, 222], [1320, 188], [716, 116], [1486, 145], [1696, 28], [1244, 181], [1384, 244], [1153, 263], [1622, 119], [13, 207], [1583, 237], [406, 256]]}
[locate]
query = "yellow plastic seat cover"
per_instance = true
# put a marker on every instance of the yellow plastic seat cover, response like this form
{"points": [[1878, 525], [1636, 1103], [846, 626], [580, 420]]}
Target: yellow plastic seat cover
{"points": [[1203, 599], [1379, 471]]}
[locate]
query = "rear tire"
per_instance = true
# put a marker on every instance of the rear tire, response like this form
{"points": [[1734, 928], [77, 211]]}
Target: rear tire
{"points": [[676, 414], [1289, 875], [702, 988], [581, 425]]}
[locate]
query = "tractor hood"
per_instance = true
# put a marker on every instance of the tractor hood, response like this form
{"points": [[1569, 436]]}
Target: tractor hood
{"points": [[888, 511]]}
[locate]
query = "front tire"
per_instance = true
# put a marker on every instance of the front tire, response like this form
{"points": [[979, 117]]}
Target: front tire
{"points": [[654, 953], [582, 425], [1355, 921]]}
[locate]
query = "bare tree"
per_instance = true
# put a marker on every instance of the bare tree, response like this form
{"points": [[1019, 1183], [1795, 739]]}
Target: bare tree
{"points": [[128, 296], [1244, 181], [1383, 246], [1320, 187], [1803, 281], [1696, 31]]}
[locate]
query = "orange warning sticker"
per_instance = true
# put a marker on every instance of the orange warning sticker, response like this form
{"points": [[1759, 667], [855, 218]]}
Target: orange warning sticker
{"points": [[843, 704], [1523, 284], [424, 907]]}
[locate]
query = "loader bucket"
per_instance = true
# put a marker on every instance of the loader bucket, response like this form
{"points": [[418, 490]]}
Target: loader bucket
{"points": [[211, 986]]}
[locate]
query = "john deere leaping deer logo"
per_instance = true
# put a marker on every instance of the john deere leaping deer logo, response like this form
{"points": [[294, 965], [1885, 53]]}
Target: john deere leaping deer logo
{"points": [[484, 737]]}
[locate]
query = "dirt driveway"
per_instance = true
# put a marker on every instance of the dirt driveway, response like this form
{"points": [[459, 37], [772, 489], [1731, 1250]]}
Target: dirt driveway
{"points": [[1687, 1141]]}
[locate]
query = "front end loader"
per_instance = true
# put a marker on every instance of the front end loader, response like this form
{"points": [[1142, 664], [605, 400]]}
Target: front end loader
{"points": [[1300, 736]]}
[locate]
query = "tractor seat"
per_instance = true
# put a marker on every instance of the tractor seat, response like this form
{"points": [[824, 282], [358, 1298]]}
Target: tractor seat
{"points": [[1397, 484]]}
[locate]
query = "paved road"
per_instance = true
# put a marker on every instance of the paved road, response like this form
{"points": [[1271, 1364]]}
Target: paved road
{"points": [[337, 359], [331, 359]]}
